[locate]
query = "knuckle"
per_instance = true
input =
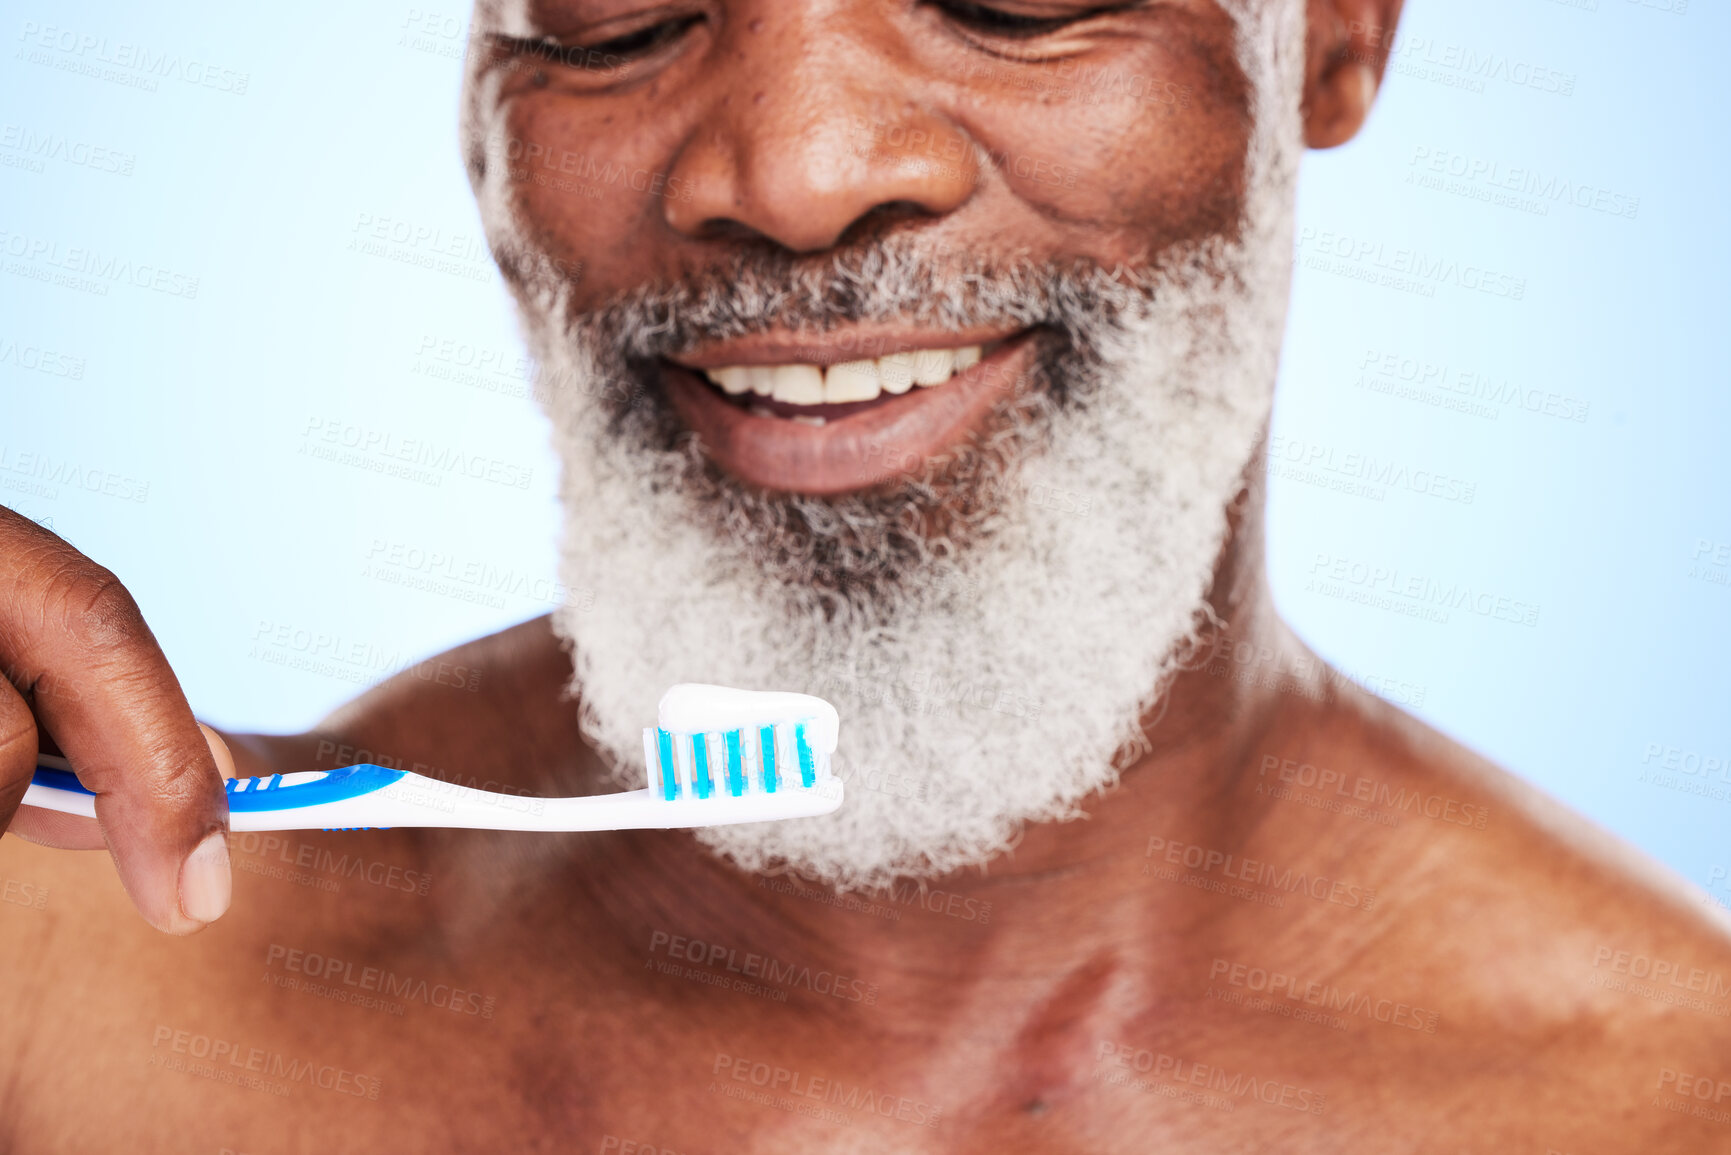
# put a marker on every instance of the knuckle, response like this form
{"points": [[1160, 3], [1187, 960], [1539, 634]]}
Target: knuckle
{"points": [[17, 739], [170, 780], [97, 610], [181, 785], [18, 749]]}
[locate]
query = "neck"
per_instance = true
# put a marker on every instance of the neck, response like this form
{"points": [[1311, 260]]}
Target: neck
{"points": [[1067, 891]]}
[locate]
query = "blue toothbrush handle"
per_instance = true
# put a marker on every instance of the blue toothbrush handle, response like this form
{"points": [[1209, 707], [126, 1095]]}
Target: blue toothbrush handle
{"points": [[55, 787], [251, 801], [369, 797]]}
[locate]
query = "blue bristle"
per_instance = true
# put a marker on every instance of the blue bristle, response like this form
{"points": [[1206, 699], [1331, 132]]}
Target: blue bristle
{"points": [[700, 765], [766, 740], [807, 770], [735, 765], [669, 775]]}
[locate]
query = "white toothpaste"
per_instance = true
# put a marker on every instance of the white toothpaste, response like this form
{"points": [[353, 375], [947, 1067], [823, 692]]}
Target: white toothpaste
{"points": [[692, 707]]}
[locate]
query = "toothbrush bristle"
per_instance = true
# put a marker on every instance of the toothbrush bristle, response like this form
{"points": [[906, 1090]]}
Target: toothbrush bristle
{"points": [[735, 765], [766, 743], [669, 772], [685, 766], [700, 765], [807, 771]]}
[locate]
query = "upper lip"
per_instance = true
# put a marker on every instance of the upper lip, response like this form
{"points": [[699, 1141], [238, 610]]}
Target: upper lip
{"points": [[832, 347]]}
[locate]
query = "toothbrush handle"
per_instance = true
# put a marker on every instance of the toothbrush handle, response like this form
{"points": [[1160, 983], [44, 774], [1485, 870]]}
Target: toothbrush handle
{"points": [[377, 797], [354, 797], [55, 787], [314, 800]]}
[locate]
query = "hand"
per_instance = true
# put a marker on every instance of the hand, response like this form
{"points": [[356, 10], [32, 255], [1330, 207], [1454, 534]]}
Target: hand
{"points": [[82, 668]]}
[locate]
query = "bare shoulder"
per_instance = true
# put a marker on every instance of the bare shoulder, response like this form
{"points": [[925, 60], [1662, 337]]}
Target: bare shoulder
{"points": [[1559, 958], [494, 712], [93, 997], [1525, 852]]}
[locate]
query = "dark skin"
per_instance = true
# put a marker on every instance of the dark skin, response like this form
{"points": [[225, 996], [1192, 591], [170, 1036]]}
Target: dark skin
{"points": [[1463, 1008]]}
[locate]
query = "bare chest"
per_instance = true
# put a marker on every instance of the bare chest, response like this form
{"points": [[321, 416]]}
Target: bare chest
{"points": [[312, 1051]]}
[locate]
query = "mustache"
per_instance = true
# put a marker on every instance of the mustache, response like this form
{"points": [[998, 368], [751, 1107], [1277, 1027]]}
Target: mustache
{"points": [[765, 289]]}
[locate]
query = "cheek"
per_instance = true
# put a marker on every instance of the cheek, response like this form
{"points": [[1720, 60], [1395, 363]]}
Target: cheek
{"points": [[585, 191], [1148, 148]]}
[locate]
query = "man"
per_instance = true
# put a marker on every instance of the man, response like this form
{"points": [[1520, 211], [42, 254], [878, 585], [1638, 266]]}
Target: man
{"points": [[925, 368]]}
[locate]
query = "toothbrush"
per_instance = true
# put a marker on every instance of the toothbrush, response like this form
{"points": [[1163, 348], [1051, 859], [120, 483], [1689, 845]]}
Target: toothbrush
{"points": [[715, 756]]}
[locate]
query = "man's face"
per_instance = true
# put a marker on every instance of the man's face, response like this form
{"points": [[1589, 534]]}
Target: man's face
{"points": [[729, 227], [644, 143]]}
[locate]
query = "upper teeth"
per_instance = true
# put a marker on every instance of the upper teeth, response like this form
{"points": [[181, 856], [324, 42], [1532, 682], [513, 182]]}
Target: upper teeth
{"points": [[848, 381]]}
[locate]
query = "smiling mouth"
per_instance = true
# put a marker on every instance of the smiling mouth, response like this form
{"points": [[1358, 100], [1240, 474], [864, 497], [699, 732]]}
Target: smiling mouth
{"points": [[786, 414], [818, 394]]}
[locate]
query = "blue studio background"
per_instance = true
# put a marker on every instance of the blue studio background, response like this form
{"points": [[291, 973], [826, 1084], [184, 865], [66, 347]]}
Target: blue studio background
{"points": [[1504, 377]]}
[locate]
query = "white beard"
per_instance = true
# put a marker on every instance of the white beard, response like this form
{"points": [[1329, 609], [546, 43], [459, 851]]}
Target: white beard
{"points": [[995, 677]]}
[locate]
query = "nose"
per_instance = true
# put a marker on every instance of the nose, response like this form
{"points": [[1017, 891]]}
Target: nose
{"points": [[808, 137]]}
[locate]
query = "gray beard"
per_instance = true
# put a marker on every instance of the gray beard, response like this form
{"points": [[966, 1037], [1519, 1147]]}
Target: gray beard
{"points": [[993, 627]]}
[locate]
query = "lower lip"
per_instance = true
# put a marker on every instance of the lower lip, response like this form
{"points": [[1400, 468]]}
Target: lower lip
{"points": [[883, 440]]}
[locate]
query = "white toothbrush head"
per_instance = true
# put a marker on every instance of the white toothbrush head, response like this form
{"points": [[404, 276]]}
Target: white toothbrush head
{"points": [[714, 742]]}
